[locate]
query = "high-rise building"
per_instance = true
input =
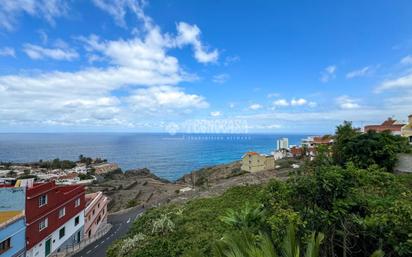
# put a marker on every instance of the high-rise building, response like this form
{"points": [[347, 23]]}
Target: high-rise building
{"points": [[282, 143]]}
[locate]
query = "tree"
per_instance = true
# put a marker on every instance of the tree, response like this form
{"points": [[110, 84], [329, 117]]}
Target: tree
{"points": [[245, 244], [247, 218], [344, 133], [374, 148]]}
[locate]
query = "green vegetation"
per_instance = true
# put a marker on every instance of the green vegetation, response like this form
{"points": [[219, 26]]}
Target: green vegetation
{"points": [[344, 203], [86, 176], [88, 160], [367, 148], [57, 164]]}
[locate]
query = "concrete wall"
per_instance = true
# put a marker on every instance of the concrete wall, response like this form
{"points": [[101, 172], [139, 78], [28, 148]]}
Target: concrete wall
{"points": [[12, 199], [15, 231], [404, 163]]}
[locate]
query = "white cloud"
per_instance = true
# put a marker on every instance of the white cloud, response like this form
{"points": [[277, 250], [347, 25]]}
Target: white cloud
{"points": [[220, 78], [293, 102], [312, 104], [265, 126], [298, 102], [281, 102], [118, 9], [359, 73], [403, 82], [231, 59], [328, 74], [232, 105], [190, 35], [407, 60], [164, 99], [37, 53], [139, 66], [345, 102], [10, 10], [255, 107], [7, 51], [215, 114]]}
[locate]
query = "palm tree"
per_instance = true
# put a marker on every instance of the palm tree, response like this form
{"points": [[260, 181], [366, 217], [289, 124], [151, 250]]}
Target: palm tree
{"points": [[245, 244], [248, 217]]}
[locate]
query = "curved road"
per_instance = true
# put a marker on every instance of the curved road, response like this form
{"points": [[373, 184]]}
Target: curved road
{"points": [[121, 225]]}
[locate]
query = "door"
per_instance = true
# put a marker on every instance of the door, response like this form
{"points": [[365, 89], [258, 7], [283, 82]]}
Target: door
{"points": [[48, 246], [78, 237]]}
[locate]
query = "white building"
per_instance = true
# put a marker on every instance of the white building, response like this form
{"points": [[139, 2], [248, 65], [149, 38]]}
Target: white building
{"points": [[282, 143], [67, 234]]}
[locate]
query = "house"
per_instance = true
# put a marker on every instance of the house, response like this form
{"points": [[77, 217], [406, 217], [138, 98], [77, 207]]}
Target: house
{"points": [[406, 130], [282, 143], [296, 151], [314, 141], [388, 125], [12, 233], [95, 213], [54, 217], [280, 154], [254, 162], [12, 222]]}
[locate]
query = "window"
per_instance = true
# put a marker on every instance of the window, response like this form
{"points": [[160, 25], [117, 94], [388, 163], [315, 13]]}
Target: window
{"points": [[62, 212], [93, 211], [77, 202], [43, 224], [42, 200], [62, 232], [410, 139], [76, 221], [5, 245]]}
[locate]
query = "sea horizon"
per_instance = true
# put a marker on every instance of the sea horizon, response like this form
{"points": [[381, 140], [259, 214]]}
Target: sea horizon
{"points": [[168, 156]]}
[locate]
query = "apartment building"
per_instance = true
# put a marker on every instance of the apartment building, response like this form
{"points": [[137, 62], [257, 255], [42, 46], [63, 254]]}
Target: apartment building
{"points": [[95, 213], [282, 143], [254, 162], [54, 217]]}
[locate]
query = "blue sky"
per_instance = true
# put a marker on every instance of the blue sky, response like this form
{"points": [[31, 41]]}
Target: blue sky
{"points": [[212, 66]]}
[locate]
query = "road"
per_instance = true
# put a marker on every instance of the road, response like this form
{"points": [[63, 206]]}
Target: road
{"points": [[121, 225]]}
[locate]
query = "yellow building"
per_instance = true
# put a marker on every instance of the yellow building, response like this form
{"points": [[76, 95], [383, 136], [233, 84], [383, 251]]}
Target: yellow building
{"points": [[254, 162], [406, 130]]}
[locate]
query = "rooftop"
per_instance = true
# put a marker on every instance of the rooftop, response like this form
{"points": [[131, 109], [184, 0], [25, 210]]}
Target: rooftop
{"points": [[9, 216]]}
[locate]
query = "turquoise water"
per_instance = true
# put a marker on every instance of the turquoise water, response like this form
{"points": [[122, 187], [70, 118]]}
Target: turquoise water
{"points": [[167, 156]]}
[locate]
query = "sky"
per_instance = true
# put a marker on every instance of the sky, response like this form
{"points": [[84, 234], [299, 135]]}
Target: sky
{"points": [[203, 66]]}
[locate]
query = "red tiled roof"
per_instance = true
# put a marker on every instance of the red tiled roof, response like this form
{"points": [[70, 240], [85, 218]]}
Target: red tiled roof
{"points": [[323, 140], [389, 124]]}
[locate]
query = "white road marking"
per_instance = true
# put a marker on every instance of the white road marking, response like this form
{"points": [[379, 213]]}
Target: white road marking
{"points": [[96, 246], [88, 251], [128, 221]]}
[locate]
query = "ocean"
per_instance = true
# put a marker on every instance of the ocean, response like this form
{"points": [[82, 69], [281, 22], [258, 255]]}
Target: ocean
{"points": [[168, 156]]}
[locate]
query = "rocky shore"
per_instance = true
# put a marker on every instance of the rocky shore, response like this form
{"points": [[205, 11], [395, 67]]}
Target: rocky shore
{"points": [[141, 187]]}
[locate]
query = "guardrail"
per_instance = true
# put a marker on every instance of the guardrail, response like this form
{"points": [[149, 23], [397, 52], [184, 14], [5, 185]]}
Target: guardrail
{"points": [[69, 250]]}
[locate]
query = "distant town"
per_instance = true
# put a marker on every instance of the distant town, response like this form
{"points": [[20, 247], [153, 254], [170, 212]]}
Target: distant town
{"points": [[46, 211]]}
